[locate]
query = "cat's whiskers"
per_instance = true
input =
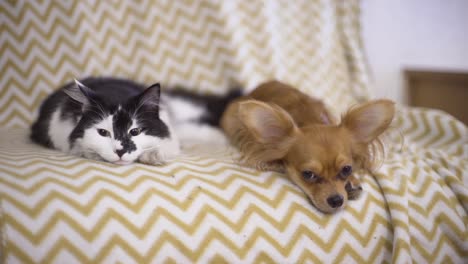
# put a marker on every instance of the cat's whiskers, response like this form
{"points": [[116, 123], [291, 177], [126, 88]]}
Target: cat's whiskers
{"points": [[83, 110]]}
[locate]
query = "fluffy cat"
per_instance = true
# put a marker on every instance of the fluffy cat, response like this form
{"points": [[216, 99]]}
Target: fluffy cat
{"points": [[119, 121]]}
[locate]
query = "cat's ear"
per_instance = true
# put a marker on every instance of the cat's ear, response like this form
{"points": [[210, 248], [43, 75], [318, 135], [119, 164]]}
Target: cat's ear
{"points": [[150, 96], [79, 92]]}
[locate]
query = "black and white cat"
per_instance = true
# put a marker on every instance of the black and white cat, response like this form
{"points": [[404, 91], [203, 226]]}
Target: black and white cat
{"points": [[119, 121]]}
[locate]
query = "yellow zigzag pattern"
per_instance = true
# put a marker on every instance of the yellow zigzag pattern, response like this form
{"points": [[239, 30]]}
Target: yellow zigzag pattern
{"points": [[432, 129], [205, 208], [190, 228], [429, 200], [192, 182], [203, 44]]}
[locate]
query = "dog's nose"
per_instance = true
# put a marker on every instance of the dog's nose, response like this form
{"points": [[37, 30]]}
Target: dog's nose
{"points": [[120, 152], [335, 201]]}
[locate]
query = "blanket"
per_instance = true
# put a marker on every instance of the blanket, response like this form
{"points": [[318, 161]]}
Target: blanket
{"points": [[205, 207]]}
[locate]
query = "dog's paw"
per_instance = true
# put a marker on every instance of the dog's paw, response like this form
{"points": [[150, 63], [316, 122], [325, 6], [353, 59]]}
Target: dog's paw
{"points": [[353, 188], [277, 166]]}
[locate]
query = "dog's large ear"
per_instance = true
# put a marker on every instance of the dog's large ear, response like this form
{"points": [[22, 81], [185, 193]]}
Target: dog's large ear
{"points": [[367, 121], [269, 124]]}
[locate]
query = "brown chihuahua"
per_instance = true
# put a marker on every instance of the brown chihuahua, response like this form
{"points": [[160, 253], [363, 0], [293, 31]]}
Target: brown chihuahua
{"points": [[277, 127]]}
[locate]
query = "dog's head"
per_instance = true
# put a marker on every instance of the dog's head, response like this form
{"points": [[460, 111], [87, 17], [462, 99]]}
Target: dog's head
{"points": [[320, 158]]}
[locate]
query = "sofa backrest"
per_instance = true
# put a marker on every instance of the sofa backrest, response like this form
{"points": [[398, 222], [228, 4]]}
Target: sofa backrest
{"points": [[207, 45]]}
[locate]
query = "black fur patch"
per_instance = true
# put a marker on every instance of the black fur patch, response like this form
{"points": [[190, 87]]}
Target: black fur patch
{"points": [[214, 104], [108, 94], [145, 109], [122, 122]]}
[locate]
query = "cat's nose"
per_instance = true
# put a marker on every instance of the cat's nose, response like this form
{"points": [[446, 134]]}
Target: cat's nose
{"points": [[120, 152]]}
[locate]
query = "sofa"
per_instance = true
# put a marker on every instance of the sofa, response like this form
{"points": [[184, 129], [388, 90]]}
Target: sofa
{"points": [[205, 207]]}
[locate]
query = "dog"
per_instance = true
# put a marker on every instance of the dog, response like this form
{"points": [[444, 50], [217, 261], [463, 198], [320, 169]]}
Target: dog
{"points": [[278, 128]]}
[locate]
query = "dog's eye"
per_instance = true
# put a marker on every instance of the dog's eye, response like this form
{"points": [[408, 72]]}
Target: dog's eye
{"points": [[135, 132], [309, 175], [346, 171], [103, 132]]}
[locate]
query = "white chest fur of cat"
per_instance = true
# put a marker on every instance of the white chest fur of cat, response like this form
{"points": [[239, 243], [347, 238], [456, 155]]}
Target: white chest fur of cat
{"points": [[114, 120]]}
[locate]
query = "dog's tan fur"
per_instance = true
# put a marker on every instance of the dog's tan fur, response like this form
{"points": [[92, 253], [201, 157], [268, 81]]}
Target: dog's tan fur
{"points": [[277, 127]]}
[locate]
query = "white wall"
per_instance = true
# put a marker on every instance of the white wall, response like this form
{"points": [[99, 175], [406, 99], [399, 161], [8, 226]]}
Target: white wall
{"points": [[413, 33]]}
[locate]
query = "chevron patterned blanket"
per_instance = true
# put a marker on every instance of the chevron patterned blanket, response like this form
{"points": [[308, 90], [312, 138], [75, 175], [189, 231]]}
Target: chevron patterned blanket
{"points": [[204, 207]]}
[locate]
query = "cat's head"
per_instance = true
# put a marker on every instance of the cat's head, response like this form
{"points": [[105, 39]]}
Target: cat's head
{"points": [[120, 133]]}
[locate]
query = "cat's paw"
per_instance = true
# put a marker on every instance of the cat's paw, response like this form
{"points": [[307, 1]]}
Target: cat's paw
{"points": [[152, 158], [159, 158], [353, 188]]}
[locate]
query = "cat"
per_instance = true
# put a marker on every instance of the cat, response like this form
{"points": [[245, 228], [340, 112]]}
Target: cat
{"points": [[121, 122]]}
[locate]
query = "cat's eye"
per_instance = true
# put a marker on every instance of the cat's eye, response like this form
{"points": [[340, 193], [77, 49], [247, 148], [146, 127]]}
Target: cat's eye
{"points": [[103, 132], [135, 131], [346, 171], [309, 176]]}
